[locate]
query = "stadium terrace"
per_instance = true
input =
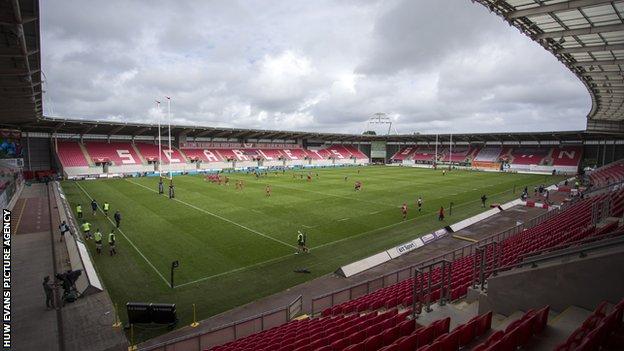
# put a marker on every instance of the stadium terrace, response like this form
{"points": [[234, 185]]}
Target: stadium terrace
{"points": [[142, 236]]}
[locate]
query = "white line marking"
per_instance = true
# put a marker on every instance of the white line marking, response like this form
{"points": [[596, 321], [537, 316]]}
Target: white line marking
{"points": [[343, 219], [375, 212], [232, 271], [128, 239], [394, 224], [217, 216], [309, 227], [257, 211], [334, 195]]}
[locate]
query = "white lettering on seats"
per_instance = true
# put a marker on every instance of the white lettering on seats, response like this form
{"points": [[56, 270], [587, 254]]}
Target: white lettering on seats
{"points": [[210, 156], [126, 157], [268, 158], [240, 155], [289, 154], [168, 154], [335, 152], [569, 154]]}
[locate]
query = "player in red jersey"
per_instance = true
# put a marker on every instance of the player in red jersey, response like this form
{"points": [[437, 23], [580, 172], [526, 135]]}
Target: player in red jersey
{"points": [[404, 211]]}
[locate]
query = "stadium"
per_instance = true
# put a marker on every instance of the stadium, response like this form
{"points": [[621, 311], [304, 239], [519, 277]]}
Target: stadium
{"points": [[155, 235]]}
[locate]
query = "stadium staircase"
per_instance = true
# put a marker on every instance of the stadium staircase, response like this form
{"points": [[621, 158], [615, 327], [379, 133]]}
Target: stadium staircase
{"points": [[141, 158], [84, 151]]}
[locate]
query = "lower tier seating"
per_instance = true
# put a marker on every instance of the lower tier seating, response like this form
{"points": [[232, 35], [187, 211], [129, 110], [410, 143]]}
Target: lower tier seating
{"points": [[597, 330], [570, 225]]}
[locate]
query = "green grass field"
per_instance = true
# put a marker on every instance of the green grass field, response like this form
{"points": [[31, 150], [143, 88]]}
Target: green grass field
{"points": [[237, 246]]}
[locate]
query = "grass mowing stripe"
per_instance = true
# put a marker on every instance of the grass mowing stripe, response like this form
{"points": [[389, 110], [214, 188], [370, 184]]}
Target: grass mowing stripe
{"points": [[219, 217], [128, 239], [395, 224], [333, 195], [240, 269]]}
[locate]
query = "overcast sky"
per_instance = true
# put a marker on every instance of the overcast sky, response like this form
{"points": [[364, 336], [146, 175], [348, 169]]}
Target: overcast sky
{"points": [[431, 65]]}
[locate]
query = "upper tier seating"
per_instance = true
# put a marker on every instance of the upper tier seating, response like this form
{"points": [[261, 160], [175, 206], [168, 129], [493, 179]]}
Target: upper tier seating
{"points": [[70, 154], [529, 156], [489, 154], [573, 224], [611, 173], [567, 156], [150, 153], [119, 153]]}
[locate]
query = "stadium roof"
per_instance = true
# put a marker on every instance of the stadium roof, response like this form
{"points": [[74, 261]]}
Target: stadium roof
{"points": [[20, 62], [73, 127], [585, 35]]}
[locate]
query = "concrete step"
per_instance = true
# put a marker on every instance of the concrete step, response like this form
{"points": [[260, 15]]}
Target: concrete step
{"points": [[500, 322], [460, 313], [559, 328]]}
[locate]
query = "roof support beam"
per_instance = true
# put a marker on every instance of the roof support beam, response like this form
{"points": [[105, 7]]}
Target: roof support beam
{"points": [[599, 63], [11, 54], [592, 48], [17, 72], [562, 6], [116, 130], [203, 133], [581, 31]]}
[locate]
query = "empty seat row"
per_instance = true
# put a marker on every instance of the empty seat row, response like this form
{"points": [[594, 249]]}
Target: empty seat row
{"points": [[518, 333], [73, 154], [609, 174], [595, 330], [571, 225]]}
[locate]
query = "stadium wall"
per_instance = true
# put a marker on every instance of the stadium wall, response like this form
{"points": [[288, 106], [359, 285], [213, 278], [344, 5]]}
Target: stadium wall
{"points": [[586, 282]]}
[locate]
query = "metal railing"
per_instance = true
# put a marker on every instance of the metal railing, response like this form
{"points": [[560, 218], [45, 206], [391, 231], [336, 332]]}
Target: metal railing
{"points": [[577, 248], [232, 331], [423, 286], [339, 296]]}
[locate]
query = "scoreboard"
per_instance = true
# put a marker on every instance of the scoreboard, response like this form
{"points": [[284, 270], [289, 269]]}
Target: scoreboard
{"points": [[378, 149]]}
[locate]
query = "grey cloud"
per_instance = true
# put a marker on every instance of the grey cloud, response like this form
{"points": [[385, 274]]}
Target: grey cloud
{"points": [[433, 65]]}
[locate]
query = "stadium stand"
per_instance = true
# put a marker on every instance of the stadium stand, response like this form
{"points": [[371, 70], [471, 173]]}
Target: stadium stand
{"points": [[459, 154], [529, 156], [355, 152], [518, 333], [118, 153], [569, 225], [149, 152], [424, 154], [567, 156], [488, 154], [204, 155], [404, 153], [389, 330], [597, 330], [71, 155], [611, 173]]}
